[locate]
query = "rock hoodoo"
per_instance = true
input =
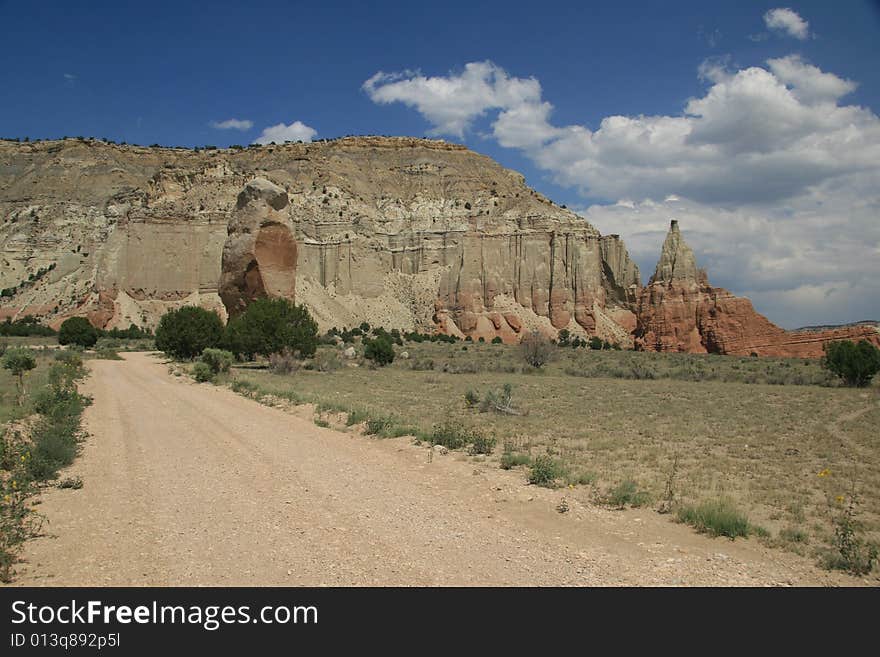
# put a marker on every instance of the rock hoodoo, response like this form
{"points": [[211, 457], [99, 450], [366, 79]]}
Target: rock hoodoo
{"points": [[259, 256], [680, 311]]}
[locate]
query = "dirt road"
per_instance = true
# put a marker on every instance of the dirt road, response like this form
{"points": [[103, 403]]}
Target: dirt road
{"points": [[191, 484]]}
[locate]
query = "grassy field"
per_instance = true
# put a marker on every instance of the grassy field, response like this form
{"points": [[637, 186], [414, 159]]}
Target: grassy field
{"points": [[785, 454], [34, 380]]}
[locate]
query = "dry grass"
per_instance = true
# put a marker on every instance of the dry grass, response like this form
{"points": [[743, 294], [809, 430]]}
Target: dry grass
{"points": [[760, 445], [34, 380]]}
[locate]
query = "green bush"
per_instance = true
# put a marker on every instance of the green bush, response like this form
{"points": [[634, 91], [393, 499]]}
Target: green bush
{"points": [[269, 326], [379, 350], [851, 553], [202, 372], [19, 360], [855, 363], [510, 459], [56, 436], [78, 331], [718, 517], [186, 332], [452, 435], [627, 492], [71, 359], [107, 353], [537, 350], [482, 444], [219, 360], [545, 471]]}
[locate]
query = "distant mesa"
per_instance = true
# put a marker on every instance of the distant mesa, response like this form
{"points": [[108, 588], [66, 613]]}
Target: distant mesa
{"points": [[400, 232]]}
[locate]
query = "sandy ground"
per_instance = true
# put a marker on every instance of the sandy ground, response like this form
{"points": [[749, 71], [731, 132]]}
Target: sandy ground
{"points": [[191, 484]]}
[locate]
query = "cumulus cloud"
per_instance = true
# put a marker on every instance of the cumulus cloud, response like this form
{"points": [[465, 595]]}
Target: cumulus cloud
{"points": [[233, 124], [775, 177], [788, 21], [451, 103], [296, 131], [758, 134]]}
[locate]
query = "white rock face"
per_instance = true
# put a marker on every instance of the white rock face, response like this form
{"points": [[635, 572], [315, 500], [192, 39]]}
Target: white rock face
{"points": [[403, 233]]}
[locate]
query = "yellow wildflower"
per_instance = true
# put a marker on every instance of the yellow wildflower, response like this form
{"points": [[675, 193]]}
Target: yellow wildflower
{"points": [[824, 472]]}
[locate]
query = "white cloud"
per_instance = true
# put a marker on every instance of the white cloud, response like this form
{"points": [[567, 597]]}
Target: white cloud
{"points": [[296, 131], [775, 180], [452, 103], [788, 21], [233, 124], [807, 82]]}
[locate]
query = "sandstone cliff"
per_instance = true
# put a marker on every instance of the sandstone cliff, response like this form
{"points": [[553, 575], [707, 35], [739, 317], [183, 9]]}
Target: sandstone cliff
{"points": [[400, 232], [680, 311]]}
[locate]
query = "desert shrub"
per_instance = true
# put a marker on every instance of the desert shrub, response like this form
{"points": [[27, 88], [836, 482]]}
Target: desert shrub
{"points": [[71, 359], [186, 332], [793, 535], [627, 493], [855, 363], [327, 361], [107, 353], [497, 340], [471, 398], [18, 361], [452, 435], [268, 326], [580, 479], [851, 552], [717, 517], [355, 416], [379, 426], [545, 471], [563, 339], [595, 343], [202, 372], [536, 349], [18, 520], [284, 362], [244, 387], [379, 350], [482, 444], [78, 331], [511, 459], [56, 435], [498, 401], [26, 326], [219, 360], [421, 364]]}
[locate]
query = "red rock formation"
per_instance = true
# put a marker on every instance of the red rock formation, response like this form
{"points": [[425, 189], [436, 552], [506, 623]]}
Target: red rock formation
{"points": [[680, 311]]}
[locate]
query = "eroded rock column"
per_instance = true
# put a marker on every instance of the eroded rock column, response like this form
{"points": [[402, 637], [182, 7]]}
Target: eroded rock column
{"points": [[259, 256]]}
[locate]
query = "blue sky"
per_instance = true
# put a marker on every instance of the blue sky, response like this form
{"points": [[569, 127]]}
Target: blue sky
{"points": [[802, 241]]}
